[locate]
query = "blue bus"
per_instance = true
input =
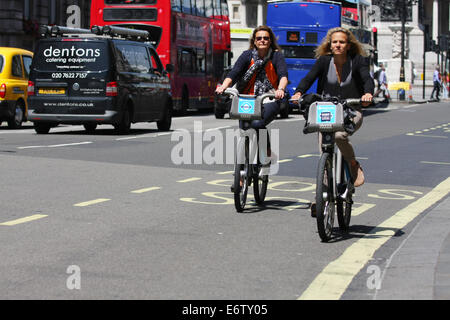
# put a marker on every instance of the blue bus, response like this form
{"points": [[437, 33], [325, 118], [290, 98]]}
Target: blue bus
{"points": [[300, 27]]}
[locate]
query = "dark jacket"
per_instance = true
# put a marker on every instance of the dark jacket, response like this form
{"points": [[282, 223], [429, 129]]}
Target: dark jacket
{"points": [[361, 78], [243, 63]]}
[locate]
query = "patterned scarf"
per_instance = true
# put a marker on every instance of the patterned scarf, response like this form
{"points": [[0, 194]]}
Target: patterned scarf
{"points": [[262, 84]]}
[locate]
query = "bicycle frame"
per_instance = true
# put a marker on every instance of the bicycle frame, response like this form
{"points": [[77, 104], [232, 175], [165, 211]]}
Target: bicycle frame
{"points": [[247, 159]]}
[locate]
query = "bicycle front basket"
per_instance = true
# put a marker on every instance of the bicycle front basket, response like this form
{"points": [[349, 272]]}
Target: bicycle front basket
{"points": [[246, 107], [325, 117]]}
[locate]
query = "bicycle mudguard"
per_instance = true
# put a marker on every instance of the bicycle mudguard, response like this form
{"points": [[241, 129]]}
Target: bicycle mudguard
{"points": [[325, 117]]}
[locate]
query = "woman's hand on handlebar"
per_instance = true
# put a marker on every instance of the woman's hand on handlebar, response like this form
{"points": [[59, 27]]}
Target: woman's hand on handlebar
{"points": [[366, 99], [226, 83], [279, 94], [296, 97], [220, 89]]}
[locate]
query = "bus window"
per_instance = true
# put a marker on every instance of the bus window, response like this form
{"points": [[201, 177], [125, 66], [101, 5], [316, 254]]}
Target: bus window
{"points": [[187, 61], [201, 63], [176, 5], [126, 14], [224, 6], [186, 6], [209, 8], [200, 7], [130, 2], [299, 52], [217, 13]]}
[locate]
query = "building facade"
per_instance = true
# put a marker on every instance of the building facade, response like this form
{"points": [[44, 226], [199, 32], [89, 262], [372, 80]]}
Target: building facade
{"points": [[424, 18], [20, 19]]}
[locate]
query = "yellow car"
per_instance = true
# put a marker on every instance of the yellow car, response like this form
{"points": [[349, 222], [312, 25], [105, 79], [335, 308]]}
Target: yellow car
{"points": [[14, 70]]}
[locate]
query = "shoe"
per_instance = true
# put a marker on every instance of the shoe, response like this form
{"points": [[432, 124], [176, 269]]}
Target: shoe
{"points": [[357, 173], [313, 209]]}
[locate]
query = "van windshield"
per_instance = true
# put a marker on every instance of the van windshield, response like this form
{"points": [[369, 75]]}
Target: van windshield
{"points": [[73, 55]]}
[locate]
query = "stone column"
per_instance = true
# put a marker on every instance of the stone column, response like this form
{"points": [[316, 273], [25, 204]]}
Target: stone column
{"points": [[435, 20], [260, 20]]}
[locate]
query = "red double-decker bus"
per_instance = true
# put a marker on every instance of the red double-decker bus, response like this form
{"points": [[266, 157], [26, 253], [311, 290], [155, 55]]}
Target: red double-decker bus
{"points": [[192, 35]]}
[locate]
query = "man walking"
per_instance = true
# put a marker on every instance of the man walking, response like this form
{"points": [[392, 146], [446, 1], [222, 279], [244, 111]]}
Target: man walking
{"points": [[382, 82], [436, 83]]}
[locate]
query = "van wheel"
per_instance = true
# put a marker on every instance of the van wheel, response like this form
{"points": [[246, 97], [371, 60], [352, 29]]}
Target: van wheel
{"points": [[90, 127], [123, 127], [16, 121], [165, 123], [42, 128]]}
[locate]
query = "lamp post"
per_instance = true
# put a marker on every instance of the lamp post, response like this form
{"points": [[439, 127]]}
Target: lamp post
{"points": [[402, 59], [402, 6]]}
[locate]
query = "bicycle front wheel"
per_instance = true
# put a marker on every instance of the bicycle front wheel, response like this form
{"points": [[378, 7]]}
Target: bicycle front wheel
{"points": [[344, 199], [324, 197], [242, 181], [260, 183]]}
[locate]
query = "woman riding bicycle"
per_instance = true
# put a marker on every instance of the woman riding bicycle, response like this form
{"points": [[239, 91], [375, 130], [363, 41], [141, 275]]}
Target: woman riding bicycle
{"points": [[264, 67], [342, 72]]}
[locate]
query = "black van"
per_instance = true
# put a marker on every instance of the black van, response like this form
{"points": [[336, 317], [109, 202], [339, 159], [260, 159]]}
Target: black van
{"points": [[99, 77]]}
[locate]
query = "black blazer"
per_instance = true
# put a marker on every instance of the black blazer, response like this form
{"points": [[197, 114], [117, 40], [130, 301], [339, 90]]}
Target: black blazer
{"points": [[360, 75]]}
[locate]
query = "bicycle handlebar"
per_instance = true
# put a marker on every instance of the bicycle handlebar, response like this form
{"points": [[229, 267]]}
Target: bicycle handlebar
{"points": [[234, 92], [350, 102]]}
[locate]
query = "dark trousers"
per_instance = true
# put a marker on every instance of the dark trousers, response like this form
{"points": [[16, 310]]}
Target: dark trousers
{"points": [[437, 89]]}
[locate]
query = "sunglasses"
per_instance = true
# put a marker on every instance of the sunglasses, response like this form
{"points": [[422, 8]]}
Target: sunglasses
{"points": [[261, 38]]}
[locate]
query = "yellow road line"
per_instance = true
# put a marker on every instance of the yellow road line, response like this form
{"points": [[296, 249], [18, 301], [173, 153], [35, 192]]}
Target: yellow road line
{"points": [[431, 162], [23, 220], [308, 155], [189, 180], [430, 136], [88, 203], [284, 160], [145, 190], [334, 279], [225, 172]]}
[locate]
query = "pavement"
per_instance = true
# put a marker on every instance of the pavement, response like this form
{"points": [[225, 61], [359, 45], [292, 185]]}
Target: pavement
{"points": [[420, 268]]}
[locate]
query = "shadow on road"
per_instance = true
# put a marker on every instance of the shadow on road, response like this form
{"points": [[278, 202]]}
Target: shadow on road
{"points": [[360, 231]]}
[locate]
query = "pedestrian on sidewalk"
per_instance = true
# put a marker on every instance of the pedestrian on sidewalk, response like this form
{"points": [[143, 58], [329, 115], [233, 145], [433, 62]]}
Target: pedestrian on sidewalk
{"points": [[382, 83], [436, 83]]}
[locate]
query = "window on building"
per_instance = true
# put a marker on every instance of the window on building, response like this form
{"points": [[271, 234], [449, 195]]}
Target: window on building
{"points": [[236, 15], [252, 15]]}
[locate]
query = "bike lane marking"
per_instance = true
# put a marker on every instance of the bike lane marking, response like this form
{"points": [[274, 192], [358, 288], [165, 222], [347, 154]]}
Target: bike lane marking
{"points": [[189, 180], [23, 220], [143, 190], [334, 279], [91, 202]]}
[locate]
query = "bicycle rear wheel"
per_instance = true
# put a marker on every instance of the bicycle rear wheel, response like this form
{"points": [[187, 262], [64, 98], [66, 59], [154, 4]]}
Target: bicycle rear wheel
{"points": [[324, 197], [344, 199], [259, 185], [241, 181]]}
